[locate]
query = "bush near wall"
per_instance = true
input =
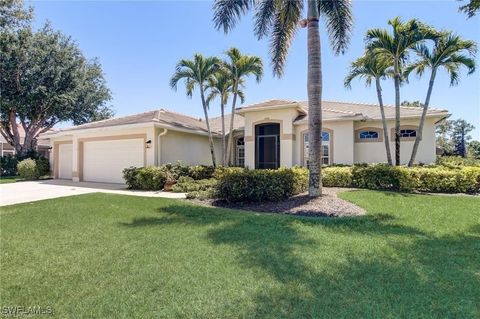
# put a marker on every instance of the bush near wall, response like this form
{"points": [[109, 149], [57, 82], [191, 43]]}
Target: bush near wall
{"points": [[238, 185], [154, 177], [8, 165], [33, 168]]}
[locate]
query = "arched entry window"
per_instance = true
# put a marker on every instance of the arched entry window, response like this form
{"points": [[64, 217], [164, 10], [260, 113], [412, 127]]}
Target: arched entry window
{"points": [[325, 148], [267, 145]]}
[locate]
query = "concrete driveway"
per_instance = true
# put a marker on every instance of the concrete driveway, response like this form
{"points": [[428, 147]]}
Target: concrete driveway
{"points": [[23, 192]]}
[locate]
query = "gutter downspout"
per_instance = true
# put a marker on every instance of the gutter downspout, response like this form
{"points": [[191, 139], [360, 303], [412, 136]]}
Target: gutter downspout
{"points": [[159, 146]]}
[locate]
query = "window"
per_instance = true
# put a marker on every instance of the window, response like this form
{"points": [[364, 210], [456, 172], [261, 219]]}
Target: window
{"points": [[240, 152], [408, 133], [325, 148], [368, 135]]}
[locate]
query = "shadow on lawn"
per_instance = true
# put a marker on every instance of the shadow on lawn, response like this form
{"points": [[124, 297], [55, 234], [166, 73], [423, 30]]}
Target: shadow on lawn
{"points": [[414, 274]]}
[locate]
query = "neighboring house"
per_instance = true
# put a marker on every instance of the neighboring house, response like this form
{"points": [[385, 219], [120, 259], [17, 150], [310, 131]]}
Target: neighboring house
{"points": [[43, 146], [269, 134]]}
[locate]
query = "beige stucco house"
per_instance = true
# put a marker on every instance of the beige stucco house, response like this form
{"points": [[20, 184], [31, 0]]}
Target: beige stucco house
{"points": [[269, 134]]}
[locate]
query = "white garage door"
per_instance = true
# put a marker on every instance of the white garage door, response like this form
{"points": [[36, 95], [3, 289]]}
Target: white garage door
{"points": [[65, 161], [104, 161]]}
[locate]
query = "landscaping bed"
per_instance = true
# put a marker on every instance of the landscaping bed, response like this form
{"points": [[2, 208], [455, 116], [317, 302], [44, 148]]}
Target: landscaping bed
{"points": [[328, 205]]}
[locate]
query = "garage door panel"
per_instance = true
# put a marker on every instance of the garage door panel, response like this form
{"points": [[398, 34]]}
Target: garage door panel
{"points": [[104, 161]]}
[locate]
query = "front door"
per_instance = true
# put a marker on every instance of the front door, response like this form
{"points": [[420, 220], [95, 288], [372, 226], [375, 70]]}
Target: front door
{"points": [[267, 146]]}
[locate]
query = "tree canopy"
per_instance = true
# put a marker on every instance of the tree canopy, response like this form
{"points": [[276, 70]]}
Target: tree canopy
{"points": [[46, 80]]}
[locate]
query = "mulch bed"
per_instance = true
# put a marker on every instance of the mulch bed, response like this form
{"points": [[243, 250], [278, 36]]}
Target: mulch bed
{"points": [[328, 205]]}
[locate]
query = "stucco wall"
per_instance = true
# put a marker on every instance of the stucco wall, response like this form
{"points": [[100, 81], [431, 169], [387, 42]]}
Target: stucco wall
{"points": [[190, 149], [374, 152], [341, 142]]}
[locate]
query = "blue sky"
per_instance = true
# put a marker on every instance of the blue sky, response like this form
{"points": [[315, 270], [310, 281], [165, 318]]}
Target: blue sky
{"points": [[139, 43]]}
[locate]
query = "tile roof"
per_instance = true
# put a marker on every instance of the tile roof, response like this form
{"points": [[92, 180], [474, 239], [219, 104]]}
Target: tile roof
{"points": [[331, 110]]}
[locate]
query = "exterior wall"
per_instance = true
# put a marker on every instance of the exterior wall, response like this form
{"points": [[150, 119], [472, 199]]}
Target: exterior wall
{"points": [[374, 152], [341, 142], [285, 118], [190, 149]]}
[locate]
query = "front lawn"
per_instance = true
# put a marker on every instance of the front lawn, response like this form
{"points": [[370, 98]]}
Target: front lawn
{"points": [[8, 179], [112, 256]]}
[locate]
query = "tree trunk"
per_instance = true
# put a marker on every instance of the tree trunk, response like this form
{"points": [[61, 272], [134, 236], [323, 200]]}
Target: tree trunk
{"points": [[314, 85], [210, 137], [419, 136], [397, 115], [224, 151], [230, 134], [384, 121]]}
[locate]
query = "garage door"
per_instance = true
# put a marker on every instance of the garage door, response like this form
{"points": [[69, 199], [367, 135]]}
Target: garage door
{"points": [[104, 161], [65, 161]]}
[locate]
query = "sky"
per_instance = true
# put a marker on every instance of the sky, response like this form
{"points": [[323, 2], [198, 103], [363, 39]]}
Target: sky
{"points": [[139, 43]]}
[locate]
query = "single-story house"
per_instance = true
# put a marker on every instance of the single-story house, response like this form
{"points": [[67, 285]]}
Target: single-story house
{"points": [[269, 134]]}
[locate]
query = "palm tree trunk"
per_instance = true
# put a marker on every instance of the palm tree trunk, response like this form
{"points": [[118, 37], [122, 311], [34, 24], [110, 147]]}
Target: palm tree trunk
{"points": [[210, 137], [224, 151], [384, 121], [397, 117], [314, 84], [422, 119], [230, 134]]}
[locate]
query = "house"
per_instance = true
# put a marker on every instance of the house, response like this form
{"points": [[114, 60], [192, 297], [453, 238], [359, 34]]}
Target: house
{"points": [[269, 134], [43, 146]]}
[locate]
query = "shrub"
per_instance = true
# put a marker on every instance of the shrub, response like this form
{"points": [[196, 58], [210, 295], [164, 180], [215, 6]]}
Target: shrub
{"points": [[237, 185], [382, 176], [201, 189], [27, 169], [145, 178], [43, 166], [457, 161], [337, 176], [33, 168], [445, 180], [200, 172], [8, 165]]}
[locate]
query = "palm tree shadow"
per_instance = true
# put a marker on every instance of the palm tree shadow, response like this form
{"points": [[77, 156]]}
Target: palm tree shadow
{"points": [[425, 275]]}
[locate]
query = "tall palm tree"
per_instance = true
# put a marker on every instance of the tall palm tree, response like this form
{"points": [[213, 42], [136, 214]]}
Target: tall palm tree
{"points": [[372, 69], [197, 73], [280, 19], [222, 85], [448, 53], [394, 49], [240, 67]]}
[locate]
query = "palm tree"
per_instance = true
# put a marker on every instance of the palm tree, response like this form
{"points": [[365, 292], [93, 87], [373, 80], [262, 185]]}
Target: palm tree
{"points": [[240, 67], [372, 69], [394, 49], [447, 53], [221, 85], [280, 19], [197, 73]]}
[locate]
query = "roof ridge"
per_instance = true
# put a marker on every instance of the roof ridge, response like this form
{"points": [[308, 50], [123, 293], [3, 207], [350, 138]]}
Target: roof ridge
{"points": [[198, 119], [111, 119], [338, 111], [270, 100]]}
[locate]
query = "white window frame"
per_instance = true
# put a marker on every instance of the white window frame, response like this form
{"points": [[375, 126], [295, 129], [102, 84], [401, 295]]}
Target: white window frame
{"points": [[325, 144]]}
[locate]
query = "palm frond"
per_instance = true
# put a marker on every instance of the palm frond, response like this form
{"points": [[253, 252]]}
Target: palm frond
{"points": [[284, 28], [339, 22], [226, 13], [264, 17]]}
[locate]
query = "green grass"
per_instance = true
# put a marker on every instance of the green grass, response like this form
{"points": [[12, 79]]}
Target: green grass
{"points": [[8, 179], [112, 256]]}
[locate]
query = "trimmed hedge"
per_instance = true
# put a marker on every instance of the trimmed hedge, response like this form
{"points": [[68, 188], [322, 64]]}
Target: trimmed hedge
{"points": [[238, 185], [398, 178]]}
